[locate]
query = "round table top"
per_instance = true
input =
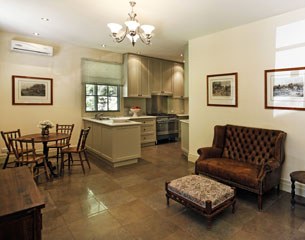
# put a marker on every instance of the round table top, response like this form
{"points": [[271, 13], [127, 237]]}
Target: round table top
{"points": [[298, 176], [49, 138]]}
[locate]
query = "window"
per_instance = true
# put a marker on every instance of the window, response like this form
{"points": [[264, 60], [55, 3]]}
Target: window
{"points": [[102, 98]]}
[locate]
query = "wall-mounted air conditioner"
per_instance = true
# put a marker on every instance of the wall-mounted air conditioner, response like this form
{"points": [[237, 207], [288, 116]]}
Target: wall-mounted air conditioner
{"points": [[34, 48]]}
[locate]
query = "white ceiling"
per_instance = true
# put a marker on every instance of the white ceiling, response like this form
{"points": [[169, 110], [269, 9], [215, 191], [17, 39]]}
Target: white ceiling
{"points": [[84, 22]]}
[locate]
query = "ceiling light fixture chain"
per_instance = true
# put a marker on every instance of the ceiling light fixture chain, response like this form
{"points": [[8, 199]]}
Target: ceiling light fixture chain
{"points": [[133, 30]]}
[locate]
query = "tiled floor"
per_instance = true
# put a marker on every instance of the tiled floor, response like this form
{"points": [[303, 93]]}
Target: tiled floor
{"points": [[129, 203]]}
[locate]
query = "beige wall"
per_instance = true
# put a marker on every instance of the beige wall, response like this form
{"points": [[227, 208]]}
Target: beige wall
{"points": [[277, 42], [63, 67]]}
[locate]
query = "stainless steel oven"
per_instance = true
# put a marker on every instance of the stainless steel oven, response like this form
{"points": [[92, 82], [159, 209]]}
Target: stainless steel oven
{"points": [[167, 127]]}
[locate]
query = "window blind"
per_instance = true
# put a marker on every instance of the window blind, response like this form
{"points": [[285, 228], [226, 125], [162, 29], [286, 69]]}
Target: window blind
{"points": [[99, 72]]}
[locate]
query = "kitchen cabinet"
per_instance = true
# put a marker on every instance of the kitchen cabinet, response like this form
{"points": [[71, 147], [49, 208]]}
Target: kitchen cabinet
{"points": [[148, 131], [145, 76], [178, 80], [185, 137], [181, 117], [136, 76], [160, 76], [115, 144]]}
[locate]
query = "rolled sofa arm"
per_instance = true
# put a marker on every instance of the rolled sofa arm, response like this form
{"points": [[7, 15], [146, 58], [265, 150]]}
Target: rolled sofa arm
{"points": [[268, 167], [209, 152]]}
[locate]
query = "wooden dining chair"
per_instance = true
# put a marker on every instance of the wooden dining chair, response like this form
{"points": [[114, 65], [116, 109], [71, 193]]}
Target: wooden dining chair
{"points": [[25, 154], [6, 136], [80, 149], [60, 144]]}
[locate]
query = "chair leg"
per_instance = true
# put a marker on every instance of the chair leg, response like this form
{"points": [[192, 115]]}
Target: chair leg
{"points": [[32, 170], [62, 163], [86, 157], [57, 157], [81, 161], [46, 169], [6, 161], [69, 160]]}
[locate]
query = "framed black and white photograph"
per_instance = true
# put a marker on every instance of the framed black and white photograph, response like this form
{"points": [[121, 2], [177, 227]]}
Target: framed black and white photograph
{"points": [[222, 90], [32, 90], [284, 88]]}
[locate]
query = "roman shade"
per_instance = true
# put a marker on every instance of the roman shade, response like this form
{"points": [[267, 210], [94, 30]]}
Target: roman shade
{"points": [[99, 72]]}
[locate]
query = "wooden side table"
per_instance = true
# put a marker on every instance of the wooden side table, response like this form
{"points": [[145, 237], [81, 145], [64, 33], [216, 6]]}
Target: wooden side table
{"points": [[20, 205], [297, 176]]}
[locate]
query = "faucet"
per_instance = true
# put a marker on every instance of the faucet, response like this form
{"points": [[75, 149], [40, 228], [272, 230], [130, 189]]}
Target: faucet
{"points": [[98, 115]]}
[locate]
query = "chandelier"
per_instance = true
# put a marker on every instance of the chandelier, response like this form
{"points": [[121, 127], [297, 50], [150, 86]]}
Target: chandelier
{"points": [[133, 30]]}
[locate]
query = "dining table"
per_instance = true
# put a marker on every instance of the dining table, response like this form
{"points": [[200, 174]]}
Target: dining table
{"points": [[45, 139]]}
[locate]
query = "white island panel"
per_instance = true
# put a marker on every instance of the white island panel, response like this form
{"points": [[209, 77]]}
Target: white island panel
{"points": [[117, 144]]}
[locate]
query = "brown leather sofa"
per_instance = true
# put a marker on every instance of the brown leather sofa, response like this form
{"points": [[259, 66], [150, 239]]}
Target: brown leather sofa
{"points": [[244, 157]]}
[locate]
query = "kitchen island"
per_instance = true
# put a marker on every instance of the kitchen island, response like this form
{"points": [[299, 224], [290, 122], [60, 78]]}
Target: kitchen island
{"points": [[117, 141]]}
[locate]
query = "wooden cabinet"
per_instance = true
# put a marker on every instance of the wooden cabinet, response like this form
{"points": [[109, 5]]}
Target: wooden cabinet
{"points": [[185, 137], [160, 76], [136, 76], [178, 81], [145, 76], [21, 204], [155, 75], [148, 131], [116, 145]]}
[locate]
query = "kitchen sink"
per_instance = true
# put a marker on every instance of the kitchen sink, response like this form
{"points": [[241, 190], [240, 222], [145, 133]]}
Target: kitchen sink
{"points": [[120, 119], [101, 118]]}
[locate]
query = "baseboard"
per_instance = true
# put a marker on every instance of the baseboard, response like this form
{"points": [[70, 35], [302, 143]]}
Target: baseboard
{"points": [[286, 186], [192, 158], [2, 158]]}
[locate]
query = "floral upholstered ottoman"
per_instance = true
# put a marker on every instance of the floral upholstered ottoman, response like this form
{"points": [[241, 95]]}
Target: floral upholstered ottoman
{"points": [[202, 194]]}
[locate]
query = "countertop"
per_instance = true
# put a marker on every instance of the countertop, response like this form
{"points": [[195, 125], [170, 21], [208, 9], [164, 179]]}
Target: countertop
{"points": [[185, 121], [111, 123], [140, 117], [182, 114], [124, 123]]}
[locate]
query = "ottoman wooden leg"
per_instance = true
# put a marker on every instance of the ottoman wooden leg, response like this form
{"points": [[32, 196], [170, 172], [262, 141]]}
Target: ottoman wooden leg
{"points": [[167, 200], [166, 194], [233, 206]]}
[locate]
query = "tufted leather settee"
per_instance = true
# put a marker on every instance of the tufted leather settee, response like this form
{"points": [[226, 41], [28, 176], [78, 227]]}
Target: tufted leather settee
{"points": [[244, 157]]}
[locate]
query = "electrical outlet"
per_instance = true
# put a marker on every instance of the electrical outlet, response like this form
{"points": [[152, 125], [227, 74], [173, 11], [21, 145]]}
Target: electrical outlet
{"points": [[4, 150]]}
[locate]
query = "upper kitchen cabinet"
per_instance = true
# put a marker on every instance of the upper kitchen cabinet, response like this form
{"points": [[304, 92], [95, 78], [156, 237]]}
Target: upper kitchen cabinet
{"points": [[160, 75], [136, 76], [178, 80]]}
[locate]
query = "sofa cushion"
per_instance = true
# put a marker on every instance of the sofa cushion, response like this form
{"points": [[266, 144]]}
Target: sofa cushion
{"points": [[232, 170], [253, 145]]}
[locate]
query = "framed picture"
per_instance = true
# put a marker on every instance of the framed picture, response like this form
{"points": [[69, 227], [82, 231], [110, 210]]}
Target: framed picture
{"points": [[222, 90], [32, 90], [284, 88]]}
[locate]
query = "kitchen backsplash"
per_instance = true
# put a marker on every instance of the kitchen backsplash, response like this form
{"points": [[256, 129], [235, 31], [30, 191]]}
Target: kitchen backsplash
{"points": [[131, 102], [173, 105]]}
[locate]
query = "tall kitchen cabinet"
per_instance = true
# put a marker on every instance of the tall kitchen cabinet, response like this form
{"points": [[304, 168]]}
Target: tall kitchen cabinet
{"points": [[160, 76], [136, 73], [146, 76], [178, 80]]}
